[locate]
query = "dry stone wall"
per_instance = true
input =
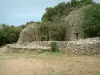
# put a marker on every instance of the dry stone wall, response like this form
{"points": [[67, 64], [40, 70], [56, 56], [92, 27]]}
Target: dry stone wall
{"points": [[90, 46]]}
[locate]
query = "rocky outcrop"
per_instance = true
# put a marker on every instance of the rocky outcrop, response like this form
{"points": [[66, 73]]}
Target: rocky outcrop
{"points": [[28, 34]]}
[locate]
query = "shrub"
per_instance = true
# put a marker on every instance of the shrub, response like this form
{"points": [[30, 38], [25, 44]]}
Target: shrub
{"points": [[54, 47], [91, 22]]}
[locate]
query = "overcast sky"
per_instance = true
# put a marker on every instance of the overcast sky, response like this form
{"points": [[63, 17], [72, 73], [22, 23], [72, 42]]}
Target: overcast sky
{"points": [[18, 12]]}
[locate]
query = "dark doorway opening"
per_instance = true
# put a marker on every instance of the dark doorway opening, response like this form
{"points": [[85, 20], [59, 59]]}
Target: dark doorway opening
{"points": [[76, 36], [45, 38]]}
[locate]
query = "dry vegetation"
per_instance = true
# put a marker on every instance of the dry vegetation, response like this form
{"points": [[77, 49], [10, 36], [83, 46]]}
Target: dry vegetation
{"points": [[48, 64]]}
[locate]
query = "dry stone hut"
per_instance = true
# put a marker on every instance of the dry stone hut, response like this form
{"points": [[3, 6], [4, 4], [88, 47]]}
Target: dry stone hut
{"points": [[28, 34], [74, 24]]}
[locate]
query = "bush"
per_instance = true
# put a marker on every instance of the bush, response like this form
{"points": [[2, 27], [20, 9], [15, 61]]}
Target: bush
{"points": [[54, 47], [9, 34], [91, 23]]}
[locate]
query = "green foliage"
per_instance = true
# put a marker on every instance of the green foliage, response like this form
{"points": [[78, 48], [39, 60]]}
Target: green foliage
{"points": [[91, 24], [48, 15], [53, 46], [74, 3], [86, 2], [57, 30], [63, 9], [43, 31], [9, 34], [56, 11], [78, 3], [52, 30]]}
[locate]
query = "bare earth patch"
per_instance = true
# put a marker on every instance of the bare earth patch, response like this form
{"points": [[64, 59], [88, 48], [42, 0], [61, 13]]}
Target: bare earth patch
{"points": [[48, 64]]}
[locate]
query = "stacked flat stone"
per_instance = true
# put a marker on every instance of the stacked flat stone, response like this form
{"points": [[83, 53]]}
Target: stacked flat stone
{"points": [[90, 46]]}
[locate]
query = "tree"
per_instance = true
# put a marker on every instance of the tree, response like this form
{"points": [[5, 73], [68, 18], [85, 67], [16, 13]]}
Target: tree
{"points": [[63, 9], [55, 11], [48, 15], [86, 1], [53, 30], [91, 23], [74, 3], [9, 34]]}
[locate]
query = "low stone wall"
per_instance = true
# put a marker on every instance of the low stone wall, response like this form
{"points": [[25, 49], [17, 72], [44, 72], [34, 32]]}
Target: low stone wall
{"points": [[28, 46], [90, 46]]}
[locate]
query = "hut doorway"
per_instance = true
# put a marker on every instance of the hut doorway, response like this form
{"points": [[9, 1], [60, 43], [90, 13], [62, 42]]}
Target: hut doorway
{"points": [[76, 36], [45, 38]]}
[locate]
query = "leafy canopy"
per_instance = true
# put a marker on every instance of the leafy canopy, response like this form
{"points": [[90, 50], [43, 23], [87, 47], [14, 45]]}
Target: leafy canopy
{"points": [[9, 34], [63, 9], [91, 23]]}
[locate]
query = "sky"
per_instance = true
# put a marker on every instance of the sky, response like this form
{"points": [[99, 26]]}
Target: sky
{"points": [[18, 12]]}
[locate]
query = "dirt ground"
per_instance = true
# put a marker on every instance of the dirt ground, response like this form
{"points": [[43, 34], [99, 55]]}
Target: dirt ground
{"points": [[48, 64]]}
